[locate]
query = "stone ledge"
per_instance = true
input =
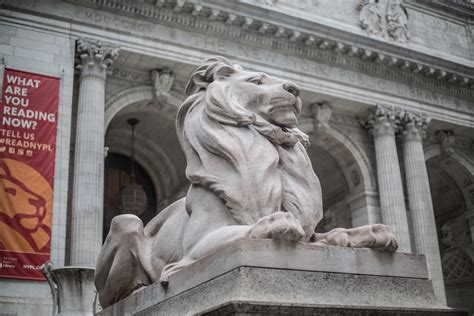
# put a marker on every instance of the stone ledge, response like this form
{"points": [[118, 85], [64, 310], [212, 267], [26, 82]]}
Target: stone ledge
{"points": [[265, 273], [245, 308]]}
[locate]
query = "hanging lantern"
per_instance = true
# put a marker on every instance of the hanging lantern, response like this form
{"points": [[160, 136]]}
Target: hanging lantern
{"points": [[132, 197]]}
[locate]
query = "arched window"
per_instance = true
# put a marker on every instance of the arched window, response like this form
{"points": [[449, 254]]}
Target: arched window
{"points": [[117, 175]]}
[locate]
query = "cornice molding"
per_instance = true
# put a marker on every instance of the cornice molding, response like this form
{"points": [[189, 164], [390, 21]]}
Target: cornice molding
{"points": [[465, 8], [327, 49]]}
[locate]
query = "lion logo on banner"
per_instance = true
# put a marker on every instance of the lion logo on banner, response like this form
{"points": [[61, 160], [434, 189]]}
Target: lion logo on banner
{"points": [[25, 214]]}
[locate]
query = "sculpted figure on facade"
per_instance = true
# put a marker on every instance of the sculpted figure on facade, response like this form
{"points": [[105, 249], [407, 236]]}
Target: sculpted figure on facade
{"points": [[370, 18], [447, 141], [321, 113], [250, 178], [385, 17], [397, 20], [162, 80]]}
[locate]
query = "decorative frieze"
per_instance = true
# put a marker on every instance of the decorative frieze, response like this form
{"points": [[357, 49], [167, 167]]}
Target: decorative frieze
{"points": [[386, 19], [131, 75], [300, 42]]}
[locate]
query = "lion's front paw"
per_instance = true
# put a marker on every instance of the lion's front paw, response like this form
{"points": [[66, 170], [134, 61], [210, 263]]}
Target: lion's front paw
{"points": [[279, 226], [371, 236], [384, 238]]}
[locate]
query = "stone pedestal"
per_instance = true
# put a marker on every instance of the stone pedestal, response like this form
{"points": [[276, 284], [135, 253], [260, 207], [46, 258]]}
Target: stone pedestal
{"points": [[269, 277]]}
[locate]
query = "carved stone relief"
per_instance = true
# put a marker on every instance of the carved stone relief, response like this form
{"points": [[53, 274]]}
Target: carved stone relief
{"points": [[388, 18], [457, 265], [447, 141], [321, 113], [162, 80]]}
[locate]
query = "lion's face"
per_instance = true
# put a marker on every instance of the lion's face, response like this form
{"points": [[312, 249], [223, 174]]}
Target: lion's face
{"points": [[273, 99], [238, 131]]}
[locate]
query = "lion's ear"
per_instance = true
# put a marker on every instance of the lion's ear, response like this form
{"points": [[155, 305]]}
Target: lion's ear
{"points": [[212, 69], [224, 71], [220, 70]]}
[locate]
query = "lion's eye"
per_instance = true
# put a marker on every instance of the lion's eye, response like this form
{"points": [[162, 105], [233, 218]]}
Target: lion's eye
{"points": [[256, 81]]}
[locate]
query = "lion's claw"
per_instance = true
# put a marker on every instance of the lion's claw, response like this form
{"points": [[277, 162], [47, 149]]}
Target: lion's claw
{"points": [[278, 226]]}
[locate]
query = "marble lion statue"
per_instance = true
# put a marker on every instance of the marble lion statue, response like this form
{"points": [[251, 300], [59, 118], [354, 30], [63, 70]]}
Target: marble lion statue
{"points": [[250, 178]]}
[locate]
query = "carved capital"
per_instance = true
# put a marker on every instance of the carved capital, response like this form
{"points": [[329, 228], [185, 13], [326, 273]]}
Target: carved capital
{"points": [[94, 57], [381, 121], [413, 127]]}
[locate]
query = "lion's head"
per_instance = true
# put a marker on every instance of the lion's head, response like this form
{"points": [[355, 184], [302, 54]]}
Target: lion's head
{"points": [[238, 131]]}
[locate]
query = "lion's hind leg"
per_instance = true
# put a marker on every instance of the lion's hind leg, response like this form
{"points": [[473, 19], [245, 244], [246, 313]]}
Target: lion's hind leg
{"points": [[120, 269]]}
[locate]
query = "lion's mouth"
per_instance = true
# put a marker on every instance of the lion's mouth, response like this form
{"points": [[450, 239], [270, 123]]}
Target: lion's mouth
{"points": [[285, 107]]}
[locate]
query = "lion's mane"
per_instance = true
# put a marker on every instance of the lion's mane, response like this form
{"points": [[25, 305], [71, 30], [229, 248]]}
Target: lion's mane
{"points": [[255, 167]]}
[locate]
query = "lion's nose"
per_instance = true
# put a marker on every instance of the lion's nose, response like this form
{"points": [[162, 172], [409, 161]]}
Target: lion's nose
{"points": [[291, 88]]}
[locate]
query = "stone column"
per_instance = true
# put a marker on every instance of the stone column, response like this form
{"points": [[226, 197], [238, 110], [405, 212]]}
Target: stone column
{"points": [[87, 204], [419, 199], [381, 123]]}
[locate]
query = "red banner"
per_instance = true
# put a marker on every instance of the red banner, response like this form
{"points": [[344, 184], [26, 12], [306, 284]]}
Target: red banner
{"points": [[28, 122]]}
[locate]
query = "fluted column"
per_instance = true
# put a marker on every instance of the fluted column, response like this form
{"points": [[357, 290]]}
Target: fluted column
{"points": [[381, 123], [88, 187], [419, 199]]}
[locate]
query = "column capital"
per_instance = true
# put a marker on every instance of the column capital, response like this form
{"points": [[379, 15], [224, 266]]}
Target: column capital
{"points": [[413, 126], [94, 57], [381, 121]]}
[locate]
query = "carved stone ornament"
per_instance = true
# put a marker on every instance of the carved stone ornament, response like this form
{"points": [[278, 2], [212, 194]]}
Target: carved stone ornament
{"points": [[456, 263], [388, 18], [446, 140], [321, 113], [381, 121], [370, 18], [162, 80], [94, 57], [413, 126], [250, 178]]}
